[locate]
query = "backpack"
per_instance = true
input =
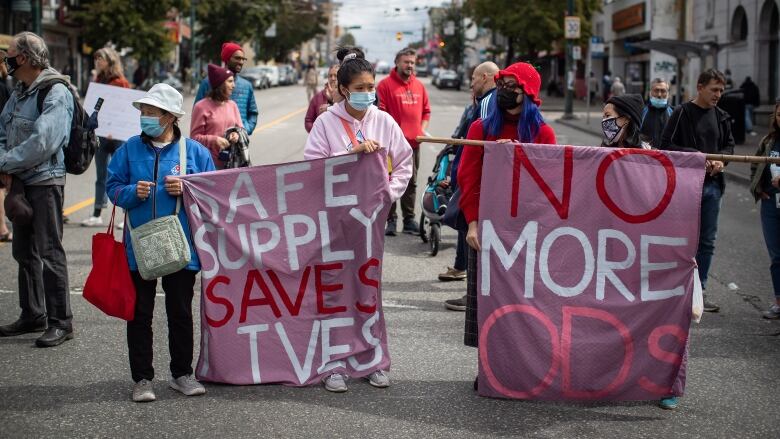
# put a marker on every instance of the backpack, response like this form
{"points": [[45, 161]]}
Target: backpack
{"points": [[82, 142]]}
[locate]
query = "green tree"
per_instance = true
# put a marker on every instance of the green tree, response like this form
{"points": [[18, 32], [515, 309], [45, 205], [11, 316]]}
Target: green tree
{"points": [[347, 40], [449, 26], [219, 21], [138, 25], [531, 25], [296, 21]]}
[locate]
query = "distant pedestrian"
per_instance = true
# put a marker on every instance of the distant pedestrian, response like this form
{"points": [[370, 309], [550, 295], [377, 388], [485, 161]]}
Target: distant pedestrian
{"points": [[213, 116], [310, 80], [31, 150], [620, 122], [593, 84], [606, 84], [752, 100], [143, 179], [656, 113], [765, 186], [108, 67], [729, 80], [700, 126], [374, 130], [324, 99], [243, 94], [403, 96], [617, 88]]}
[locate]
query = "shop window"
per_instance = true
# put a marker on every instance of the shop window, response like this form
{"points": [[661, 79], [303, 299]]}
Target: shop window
{"points": [[739, 25]]}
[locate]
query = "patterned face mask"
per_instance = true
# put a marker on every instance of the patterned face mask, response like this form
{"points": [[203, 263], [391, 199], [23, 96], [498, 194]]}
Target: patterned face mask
{"points": [[611, 129]]}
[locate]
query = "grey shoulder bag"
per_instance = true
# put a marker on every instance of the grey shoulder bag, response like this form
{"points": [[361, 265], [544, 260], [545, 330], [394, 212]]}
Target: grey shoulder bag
{"points": [[160, 246]]}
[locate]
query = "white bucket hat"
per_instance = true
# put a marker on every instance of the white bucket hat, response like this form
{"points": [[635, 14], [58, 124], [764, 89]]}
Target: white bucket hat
{"points": [[164, 97]]}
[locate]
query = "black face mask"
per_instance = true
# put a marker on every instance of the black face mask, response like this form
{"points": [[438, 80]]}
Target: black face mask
{"points": [[507, 99], [11, 64]]}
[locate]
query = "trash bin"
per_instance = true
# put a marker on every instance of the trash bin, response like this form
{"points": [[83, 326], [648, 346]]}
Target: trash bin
{"points": [[733, 102]]}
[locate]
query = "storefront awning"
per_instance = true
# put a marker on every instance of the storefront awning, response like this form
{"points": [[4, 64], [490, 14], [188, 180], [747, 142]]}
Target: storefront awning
{"points": [[681, 49]]}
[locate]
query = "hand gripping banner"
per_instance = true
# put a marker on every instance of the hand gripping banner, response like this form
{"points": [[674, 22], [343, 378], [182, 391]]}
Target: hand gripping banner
{"points": [[291, 269], [586, 271]]}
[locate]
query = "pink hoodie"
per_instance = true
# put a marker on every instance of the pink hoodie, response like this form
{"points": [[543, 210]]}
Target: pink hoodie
{"points": [[328, 138]]}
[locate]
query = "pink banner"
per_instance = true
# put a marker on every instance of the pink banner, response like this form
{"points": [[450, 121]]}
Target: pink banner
{"points": [[586, 271], [291, 269]]}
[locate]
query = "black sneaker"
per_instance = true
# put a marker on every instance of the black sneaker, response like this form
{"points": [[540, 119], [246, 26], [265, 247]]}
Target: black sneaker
{"points": [[456, 304], [20, 327], [411, 227], [54, 337], [390, 228]]}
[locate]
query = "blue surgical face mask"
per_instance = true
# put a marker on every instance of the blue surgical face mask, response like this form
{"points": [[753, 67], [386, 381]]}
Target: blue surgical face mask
{"points": [[150, 125], [658, 102], [361, 100]]}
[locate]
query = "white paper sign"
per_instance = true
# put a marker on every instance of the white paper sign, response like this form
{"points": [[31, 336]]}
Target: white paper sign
{"points": [[117, 117]]}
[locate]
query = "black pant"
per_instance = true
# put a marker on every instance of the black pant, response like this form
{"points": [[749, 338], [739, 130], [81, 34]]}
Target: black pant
{"points": [[43, 268], [178, 288], [409, 196]]}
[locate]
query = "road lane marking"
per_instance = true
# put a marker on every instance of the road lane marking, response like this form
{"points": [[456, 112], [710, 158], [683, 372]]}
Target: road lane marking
{"points": [[78, 206]]}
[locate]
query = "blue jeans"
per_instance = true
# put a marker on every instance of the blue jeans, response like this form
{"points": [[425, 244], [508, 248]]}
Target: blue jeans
{"points": [[102, 157], [749, 118], [710, 208], [460, 252], [770, 223]]}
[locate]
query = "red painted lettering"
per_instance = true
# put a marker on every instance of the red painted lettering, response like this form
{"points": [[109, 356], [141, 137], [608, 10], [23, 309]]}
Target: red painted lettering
{"points": [[254, 277], [322, 288], [561, 206], [293, 308], [654, 347], [365, 280], [211, 297]]}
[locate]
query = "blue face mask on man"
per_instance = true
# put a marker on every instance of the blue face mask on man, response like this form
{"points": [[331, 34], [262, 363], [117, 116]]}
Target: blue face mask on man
{"points": [[658, 102], [361, 100], [150, 125]]}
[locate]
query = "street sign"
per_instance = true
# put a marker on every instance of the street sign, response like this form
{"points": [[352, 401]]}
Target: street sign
{"points": [[596, 47], [572, 28], [576, 53]]}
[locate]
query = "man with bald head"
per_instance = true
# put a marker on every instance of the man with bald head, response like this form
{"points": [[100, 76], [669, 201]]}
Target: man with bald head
{"points": [[482, 86]]}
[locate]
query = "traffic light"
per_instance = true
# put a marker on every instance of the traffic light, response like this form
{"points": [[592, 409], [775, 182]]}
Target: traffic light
{"points": [[399, 36]]}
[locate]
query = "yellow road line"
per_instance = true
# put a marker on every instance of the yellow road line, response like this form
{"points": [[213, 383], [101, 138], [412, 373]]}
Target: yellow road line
{"points": [[281, 119], [78, 206]]}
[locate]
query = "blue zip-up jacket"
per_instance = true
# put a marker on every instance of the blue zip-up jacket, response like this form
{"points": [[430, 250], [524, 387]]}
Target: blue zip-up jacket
{"points": [[31, 142], [243, 95], [138, 160]]}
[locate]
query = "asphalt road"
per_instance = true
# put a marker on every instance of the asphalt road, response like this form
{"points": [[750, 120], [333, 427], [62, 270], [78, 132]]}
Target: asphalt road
{"points": [[82, 388]]}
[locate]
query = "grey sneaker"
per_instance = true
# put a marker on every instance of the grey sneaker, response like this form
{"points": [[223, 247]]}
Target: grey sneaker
{"points": [[187, 385], [773, 313], [143, 391], [379, 379], [456, 304], [452, 274], [335, 383]]}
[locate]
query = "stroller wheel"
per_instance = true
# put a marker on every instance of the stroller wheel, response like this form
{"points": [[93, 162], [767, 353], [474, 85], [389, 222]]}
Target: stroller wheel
{"points": [[435, 238], [423, 235]]}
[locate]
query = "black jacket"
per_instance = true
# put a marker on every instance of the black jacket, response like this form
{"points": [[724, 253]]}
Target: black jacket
{"points": [[680, 135], [653, 122], [751, 92]]}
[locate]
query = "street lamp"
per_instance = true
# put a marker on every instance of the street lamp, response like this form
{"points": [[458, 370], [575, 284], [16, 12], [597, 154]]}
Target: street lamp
{"points": [[572, 32]]}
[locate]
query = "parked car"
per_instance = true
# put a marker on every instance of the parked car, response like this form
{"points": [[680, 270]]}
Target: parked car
{"points": [[256, 76], [448, 79], [382, 67], [435, 75], [169, 79], [287, 75], [421, 70], [273, 74]]}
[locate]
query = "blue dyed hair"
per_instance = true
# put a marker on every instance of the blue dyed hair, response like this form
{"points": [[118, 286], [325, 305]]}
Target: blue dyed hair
{"points": [[530, 119]]}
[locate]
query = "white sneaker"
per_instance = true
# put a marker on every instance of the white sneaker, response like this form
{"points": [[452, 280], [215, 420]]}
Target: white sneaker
{"points": [[379, 379], [335, 383], [187, 385], [120, 226], [143, 391], [93, 221]]}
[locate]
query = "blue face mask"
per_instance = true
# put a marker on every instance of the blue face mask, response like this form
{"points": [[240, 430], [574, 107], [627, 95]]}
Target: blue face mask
{"points": [[658, 102], [150, 125], [360, 101]]}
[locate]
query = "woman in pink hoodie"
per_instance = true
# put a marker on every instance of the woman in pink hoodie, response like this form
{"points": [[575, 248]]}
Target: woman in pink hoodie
{"points": [[213, 116], [375, 130]]}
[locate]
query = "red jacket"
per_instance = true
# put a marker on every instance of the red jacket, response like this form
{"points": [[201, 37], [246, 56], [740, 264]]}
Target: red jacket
{"points": [[119, 81], [407, 102], [470, 168], [314, 108]]}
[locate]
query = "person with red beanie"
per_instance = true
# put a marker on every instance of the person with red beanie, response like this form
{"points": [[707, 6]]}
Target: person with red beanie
{"points": [[512, 116], [404, 97], [243, 93], [216, 114]]}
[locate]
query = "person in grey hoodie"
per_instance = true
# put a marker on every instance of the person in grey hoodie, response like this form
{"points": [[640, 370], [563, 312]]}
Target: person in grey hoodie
{"points": [[31, 150]]}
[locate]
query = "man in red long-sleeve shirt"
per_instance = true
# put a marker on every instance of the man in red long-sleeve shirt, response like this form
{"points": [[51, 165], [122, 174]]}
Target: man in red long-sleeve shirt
{"points": [[404, 97]]}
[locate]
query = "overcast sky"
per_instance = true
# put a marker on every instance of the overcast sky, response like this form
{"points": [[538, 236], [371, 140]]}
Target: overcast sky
{"points": [[381, 19]]}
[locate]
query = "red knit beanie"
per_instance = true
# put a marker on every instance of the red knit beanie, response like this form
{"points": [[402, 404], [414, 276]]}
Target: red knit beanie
{"points": [[228, 49], [218, 75], [526, 75]]}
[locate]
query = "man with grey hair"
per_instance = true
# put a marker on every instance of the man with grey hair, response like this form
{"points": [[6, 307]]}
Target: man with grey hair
{"points": [[656, 113], [31, 154]]}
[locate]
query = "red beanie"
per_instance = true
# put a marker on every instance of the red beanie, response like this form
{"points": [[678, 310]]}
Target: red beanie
{"points": [[218, 75], [228, 49], [526, 75]]}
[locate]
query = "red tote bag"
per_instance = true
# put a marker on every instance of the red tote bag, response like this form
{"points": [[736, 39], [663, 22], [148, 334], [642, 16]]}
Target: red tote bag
{"points": [[109, 286]]}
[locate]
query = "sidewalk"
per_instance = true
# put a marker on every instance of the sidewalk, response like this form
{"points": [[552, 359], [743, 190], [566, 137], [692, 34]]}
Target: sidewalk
{"points": [[739, 172]]}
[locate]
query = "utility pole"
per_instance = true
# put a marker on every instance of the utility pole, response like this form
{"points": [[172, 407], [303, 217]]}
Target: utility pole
{"points": [[569, 79], [193, 55], [36, 16]]}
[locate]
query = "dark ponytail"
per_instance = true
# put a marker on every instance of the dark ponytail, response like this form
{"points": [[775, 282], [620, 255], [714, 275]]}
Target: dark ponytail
{"points": [[352, 62]]}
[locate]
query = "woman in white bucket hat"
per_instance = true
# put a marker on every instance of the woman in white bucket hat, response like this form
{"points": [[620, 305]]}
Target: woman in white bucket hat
{"points": [[143, 180]]}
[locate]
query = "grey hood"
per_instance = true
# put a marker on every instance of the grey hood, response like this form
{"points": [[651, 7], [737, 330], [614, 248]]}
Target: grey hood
{"points": [[48, 74]]}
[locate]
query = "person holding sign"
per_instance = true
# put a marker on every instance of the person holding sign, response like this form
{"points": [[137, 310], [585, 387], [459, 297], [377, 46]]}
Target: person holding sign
{"points": [[108, 67], [213, 116], [143, 180], [513, 116], [622, 121], [355, 125]]}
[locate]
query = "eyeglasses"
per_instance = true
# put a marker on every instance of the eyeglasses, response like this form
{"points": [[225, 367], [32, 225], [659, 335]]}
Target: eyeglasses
{"points": [[507, 85]]}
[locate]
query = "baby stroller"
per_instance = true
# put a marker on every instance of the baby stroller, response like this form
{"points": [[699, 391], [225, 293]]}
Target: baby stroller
{"points": [[435, 198]]}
